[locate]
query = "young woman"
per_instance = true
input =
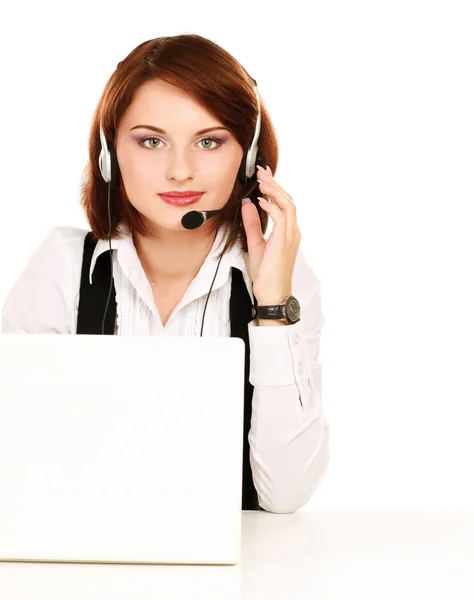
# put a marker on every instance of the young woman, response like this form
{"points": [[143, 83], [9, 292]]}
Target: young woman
{"points": [[176, 130]]}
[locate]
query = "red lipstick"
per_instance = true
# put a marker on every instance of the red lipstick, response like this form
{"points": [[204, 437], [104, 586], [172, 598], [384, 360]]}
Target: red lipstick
{"points": [[181, 198]]}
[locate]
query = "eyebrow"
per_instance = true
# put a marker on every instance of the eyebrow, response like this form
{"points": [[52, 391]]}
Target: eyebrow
{"points": [[159, 130]]}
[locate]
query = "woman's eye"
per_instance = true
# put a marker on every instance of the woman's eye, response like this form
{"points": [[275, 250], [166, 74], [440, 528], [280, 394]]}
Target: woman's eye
{"points": [[215, 140], [149, 138], [210, 139]]}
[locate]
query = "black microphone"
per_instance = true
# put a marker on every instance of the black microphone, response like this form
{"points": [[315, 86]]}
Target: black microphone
{"points": [[195, 218]]}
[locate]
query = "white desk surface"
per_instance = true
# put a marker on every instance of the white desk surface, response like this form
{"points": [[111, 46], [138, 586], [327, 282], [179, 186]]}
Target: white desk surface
{"points": [[317, 555]]}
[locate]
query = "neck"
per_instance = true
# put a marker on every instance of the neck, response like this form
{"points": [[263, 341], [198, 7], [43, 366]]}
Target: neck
{"points": [[173, 257]]}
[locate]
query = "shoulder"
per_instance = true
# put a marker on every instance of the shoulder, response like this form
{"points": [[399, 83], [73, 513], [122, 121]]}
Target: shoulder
{"points": [[61, 247], [58, 247], [69, 238], [43, 295], [59, 253]]}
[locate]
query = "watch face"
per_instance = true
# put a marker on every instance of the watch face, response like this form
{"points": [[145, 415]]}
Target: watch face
{"points": [[293, 309]]}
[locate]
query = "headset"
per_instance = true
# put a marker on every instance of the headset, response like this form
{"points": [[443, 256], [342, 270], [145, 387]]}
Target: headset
{"points": [[110, 172]]}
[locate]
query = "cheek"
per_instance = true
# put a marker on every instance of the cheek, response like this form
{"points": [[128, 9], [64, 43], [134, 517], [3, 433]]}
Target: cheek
{"points": [[124, 161], [223, 180], [133, 168], [225, 171]]}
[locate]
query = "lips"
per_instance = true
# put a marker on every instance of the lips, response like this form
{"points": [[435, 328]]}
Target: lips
{"points": [[181, 198]]}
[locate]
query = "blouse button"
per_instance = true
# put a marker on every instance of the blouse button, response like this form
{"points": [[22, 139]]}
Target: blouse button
{"points": [[299, 369], [296, 339]]}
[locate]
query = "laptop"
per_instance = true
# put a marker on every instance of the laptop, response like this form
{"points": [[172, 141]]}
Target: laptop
{"points": [[121, 449]]}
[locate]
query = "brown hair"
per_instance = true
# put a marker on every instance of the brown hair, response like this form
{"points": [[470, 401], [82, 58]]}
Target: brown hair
{"points": [[214, 79]]}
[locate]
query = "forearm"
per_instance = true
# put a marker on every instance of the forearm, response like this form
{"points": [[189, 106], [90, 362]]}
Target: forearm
{"points": [[289, 446]]}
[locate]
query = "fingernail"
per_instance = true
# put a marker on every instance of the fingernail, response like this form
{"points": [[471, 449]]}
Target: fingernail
{"points": [[245, 200], [269, 171]]}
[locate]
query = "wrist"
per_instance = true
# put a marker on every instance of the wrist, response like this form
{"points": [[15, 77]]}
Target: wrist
{"points": [[272, 300]]}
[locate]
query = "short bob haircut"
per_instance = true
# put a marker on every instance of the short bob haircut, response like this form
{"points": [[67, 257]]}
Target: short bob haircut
{"points": [[216, 81]]}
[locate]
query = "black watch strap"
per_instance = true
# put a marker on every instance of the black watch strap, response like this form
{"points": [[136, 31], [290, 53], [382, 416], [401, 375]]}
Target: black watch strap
{"points": [[287, 311], [267, 312]]}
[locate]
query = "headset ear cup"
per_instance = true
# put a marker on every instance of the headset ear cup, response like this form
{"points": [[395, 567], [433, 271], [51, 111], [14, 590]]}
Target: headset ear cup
{"points": [[114, 167], [261, 161], [242, 177]]}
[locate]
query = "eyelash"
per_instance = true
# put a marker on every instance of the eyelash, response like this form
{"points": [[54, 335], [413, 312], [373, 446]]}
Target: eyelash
{"points": [[153, 137]]}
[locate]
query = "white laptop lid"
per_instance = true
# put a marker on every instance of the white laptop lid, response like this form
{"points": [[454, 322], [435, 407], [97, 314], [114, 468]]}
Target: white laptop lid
{"points": [[121, 449]]}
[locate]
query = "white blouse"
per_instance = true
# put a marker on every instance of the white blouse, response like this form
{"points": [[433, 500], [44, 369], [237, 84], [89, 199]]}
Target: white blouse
{"points": [[289, 435]]}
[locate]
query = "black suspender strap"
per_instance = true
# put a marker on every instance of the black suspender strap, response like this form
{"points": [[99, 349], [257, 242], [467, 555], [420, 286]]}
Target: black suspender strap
{"points": [[240, 316], [93, 298]]}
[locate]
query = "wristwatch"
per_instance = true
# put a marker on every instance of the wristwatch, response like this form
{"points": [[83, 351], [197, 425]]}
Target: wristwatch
{"points": [[288, 311]]}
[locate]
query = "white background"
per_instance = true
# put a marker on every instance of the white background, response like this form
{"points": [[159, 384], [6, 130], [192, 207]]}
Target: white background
{"points": [[373, 105]]}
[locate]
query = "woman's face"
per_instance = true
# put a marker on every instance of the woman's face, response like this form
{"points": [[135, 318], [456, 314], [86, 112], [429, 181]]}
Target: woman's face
{"points": [[180, 159]]}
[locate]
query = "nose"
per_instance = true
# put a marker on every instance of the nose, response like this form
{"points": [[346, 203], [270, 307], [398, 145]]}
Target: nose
{"points": [[179, 166]]}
